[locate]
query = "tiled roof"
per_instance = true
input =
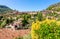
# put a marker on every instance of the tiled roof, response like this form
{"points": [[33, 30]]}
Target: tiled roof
{"points": [[10, 34]]}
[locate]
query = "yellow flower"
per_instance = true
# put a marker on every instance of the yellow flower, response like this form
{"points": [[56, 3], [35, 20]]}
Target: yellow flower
{"points": [[58, 22], [53, 20], [36, 25], [47, 21]]}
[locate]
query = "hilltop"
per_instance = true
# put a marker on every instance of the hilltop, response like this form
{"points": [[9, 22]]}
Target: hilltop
{"points": [[4, 9], [54, 7]]}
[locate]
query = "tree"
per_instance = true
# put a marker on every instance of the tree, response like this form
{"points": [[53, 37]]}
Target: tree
{"points": [[25, 20], [39, 16]]}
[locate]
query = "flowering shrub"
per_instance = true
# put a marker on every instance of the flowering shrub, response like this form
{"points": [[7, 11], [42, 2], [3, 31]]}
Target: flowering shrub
{"points": [[47, 29]]}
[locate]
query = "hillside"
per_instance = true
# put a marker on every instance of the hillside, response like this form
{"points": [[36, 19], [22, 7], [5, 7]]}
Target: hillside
{"points": [[4, 9], [54, 7]]}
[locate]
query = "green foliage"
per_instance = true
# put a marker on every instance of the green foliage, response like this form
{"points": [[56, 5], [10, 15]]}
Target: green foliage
{"points": [[48, 31], [57, 9], [9, 21], [25, 20], [39, 16], [50, 7], [54, 7], [26, 16], [25, 37], [52, 14], [1, 17], [3, 24], [18, 16], [0, 22], [4, 9]]}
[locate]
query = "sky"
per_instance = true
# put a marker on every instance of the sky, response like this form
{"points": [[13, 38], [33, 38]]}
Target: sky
{"points": [[28, 5]]}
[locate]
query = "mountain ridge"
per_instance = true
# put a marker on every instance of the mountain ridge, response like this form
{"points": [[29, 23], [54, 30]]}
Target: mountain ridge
{"points": [[4, 9], [54, 7]]}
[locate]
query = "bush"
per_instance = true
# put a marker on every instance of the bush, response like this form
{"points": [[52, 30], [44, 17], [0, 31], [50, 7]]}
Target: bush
{"points": [[1, 17], [3, 24], [25, 37], [47, 29], [40, 16], [25, 20]]}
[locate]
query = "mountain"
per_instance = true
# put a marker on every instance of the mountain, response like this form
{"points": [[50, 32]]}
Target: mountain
{"points": [[4, 9], [54, 7]]}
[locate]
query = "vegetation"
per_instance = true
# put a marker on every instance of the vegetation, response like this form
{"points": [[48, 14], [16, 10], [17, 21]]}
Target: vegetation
{"points": [[54, 7], [4, 9], [47, 29], [3, 24], [43, 25], [25, 19], [39, 16], [25, 37]]}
